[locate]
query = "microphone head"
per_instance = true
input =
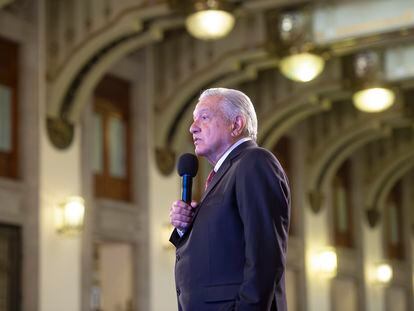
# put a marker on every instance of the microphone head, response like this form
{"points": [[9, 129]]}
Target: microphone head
{"points": [[187, 165]]}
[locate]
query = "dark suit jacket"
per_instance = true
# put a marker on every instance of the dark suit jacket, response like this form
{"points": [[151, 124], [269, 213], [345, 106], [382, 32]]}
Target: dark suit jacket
{"points": [[233, 256]]}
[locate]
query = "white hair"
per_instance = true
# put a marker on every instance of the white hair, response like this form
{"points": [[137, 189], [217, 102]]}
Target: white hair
{"points": [[235, 103]]}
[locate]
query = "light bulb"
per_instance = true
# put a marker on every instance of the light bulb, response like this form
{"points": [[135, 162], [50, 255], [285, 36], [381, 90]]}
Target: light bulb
{"points": [[70, 215], [74, 211], [374, 99], [325, 262], [302, 67], [383, 273], [210, 24]]}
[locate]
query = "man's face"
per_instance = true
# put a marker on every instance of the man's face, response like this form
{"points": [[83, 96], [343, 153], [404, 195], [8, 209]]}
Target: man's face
{"points": [[211, 130]]}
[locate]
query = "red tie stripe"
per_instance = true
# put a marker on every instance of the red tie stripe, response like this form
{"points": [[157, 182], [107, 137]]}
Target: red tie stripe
{"points": [[209, 178]]}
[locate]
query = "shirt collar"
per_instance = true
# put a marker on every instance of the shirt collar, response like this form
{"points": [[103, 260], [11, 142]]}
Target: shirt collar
{"points": [[224, 156]]}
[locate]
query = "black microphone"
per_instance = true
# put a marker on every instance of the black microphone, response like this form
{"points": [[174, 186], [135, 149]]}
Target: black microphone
{"points": [[187, 168]]}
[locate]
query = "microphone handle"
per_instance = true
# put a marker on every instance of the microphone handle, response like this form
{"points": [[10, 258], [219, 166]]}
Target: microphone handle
{"points": [[186, 188]]}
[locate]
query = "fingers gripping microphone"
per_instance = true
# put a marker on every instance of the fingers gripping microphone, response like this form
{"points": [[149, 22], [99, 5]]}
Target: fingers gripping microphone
{"points": [[187, 168]]}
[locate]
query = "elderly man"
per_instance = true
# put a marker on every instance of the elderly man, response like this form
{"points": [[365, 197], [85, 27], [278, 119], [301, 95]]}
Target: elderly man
{"points": [[231, 246]]}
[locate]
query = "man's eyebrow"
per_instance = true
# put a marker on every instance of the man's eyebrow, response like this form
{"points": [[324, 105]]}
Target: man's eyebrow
{"points": [[201, 111]]}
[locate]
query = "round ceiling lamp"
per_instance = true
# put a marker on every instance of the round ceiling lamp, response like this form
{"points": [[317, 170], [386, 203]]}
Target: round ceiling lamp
{"points": [[206, 19], [374, 99], [370, 93], [210, 24], [291, 40], [302, 67]]}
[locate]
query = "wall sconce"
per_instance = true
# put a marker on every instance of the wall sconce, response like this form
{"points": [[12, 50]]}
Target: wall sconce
{"points": [[166, 231], [366, 76], [382, 273], [324, 262], [70, 215], [292, 42], [206, 19]]}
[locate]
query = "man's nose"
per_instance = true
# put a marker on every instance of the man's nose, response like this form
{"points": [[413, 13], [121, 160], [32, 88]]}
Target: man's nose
{"points": [[194, 128]]}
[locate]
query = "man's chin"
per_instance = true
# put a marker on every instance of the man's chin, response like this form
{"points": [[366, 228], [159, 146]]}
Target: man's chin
{"points": [[198, 151]]}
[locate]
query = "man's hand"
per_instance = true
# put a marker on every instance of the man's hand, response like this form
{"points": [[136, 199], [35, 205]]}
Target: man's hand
{"points": [[181, 214]]}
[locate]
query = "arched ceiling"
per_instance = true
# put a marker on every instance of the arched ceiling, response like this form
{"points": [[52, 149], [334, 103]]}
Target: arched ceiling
{"points": [[239, 60]]}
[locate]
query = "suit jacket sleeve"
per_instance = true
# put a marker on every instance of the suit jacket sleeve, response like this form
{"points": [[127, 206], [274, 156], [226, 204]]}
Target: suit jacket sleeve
{"points": [[175, 238], [263, 200]]}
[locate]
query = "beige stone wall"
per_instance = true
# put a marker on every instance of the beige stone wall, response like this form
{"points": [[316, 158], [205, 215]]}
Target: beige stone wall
{"points": [[167, 69]]}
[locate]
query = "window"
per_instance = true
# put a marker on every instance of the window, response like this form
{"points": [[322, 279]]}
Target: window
{"points": [[10, 268], [342, 206], [8, 109], [394, 224], [112, 139], [113, 288]]}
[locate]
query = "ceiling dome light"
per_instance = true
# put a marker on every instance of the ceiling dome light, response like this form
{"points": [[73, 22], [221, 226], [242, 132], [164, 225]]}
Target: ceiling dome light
{"points": [[302, 67], [365, 72], [210, 24], [374, 99], [291, 39]]}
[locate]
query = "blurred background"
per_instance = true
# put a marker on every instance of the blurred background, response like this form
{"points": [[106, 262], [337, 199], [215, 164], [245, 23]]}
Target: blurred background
{"points": [[96, 97]]}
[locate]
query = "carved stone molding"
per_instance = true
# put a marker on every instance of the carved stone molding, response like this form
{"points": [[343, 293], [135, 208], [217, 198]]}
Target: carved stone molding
{"points": [[60, 132], [392, 170], [373, 217], [165, 159], [316, 200]]}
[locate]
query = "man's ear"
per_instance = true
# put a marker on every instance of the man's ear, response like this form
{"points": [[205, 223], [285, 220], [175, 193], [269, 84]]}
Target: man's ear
{"points": [[238, 126]]}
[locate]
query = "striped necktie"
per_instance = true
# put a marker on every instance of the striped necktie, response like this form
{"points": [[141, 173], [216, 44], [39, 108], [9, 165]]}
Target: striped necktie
{"points": [[209, 178]]}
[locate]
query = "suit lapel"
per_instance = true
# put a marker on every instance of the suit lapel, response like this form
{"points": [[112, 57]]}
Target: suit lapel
{"points": [[222, 171], [217, 177]]}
